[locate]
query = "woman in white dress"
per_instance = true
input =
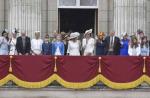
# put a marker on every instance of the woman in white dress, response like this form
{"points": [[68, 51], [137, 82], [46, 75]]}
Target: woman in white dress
{"points": [[4, 43], [74, 45], [36, 44], [88, 44], [12, 43], [134, 47]]}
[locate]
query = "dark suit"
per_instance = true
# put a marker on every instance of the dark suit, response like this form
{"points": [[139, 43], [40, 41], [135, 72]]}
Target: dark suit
{"points": [[116, 46], [26, 48]]}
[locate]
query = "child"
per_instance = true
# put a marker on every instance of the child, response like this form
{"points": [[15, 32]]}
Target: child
{"points": [[58, 47], [46, 46], [144, 46]]}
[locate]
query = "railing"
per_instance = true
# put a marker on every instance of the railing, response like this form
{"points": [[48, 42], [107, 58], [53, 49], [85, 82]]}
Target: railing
{"points": [[115, 72]]}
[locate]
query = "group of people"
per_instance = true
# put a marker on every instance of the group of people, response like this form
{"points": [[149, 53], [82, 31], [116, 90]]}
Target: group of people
{"points": [[72, 45]]}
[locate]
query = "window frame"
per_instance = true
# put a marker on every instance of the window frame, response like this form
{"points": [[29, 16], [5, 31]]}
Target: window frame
{"points": [[78, 6]]}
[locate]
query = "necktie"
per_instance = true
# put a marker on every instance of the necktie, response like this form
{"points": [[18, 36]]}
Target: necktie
{"points": [[111, 42]]}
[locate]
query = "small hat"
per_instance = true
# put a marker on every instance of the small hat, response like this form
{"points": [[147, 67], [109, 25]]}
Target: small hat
{"points": [[134, 37], [14, 31], [124, 34], [5, 31]]}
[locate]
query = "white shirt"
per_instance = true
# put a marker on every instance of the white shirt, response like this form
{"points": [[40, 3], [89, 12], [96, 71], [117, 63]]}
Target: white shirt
{"points": [[36, 46], [145, 50], [134, 51], [74, 48], [58, 53], [88, 46], [12, 44]]}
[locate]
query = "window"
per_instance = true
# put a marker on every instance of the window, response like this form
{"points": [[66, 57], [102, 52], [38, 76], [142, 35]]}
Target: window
{"points": [[67, 2], [77, 3], [88, 2]]}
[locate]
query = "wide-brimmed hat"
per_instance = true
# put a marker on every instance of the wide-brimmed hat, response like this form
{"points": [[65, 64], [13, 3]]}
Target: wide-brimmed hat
{"points": [[88, 32], [74, 35]]}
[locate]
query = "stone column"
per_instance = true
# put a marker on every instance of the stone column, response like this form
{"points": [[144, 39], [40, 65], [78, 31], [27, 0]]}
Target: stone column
{"points": [[44, 18], [103, 16], [52, 16], [129, 16], [25, 15], [148, 18], [2, 17]]}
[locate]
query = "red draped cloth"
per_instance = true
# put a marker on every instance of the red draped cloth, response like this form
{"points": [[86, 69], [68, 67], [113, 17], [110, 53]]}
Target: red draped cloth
{"points": [[4, 66], [75, 72], [147, 66], [33, 68], [77, 69], [121, 69]]}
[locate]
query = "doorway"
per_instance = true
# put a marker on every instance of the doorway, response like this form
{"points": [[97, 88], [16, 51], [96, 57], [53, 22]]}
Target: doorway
{"points": [[77, 20]]}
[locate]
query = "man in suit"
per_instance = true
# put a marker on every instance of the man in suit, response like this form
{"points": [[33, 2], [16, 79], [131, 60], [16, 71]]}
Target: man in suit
{"points": [[23, 44], [112, 44]]}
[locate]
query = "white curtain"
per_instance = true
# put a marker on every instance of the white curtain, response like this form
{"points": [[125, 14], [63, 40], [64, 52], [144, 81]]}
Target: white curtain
{"points": [[129, 16], [25, 15]]}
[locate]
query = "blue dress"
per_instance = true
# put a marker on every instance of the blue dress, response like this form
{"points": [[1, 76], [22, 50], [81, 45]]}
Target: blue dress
{"points": [[124, 47], [47, 48], [3, 46], [100, 48], [56, 46]]}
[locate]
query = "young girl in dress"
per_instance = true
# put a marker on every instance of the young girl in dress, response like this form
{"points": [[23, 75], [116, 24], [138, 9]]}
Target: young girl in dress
{"points": [[58, 47], [144, 46], [134, 47]]}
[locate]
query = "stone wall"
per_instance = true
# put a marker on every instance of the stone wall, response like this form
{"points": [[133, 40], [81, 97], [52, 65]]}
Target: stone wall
{"points": [[52, 16], [2, 17], [49, 17], [148, 18]]}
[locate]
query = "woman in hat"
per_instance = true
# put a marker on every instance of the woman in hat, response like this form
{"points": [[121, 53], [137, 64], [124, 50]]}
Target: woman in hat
{"points": [[144, 46], [88, 43], [124, 45], [74, 45], [134, 47], [100, 45], [12, 43], [58, 47], [4, 44]]}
